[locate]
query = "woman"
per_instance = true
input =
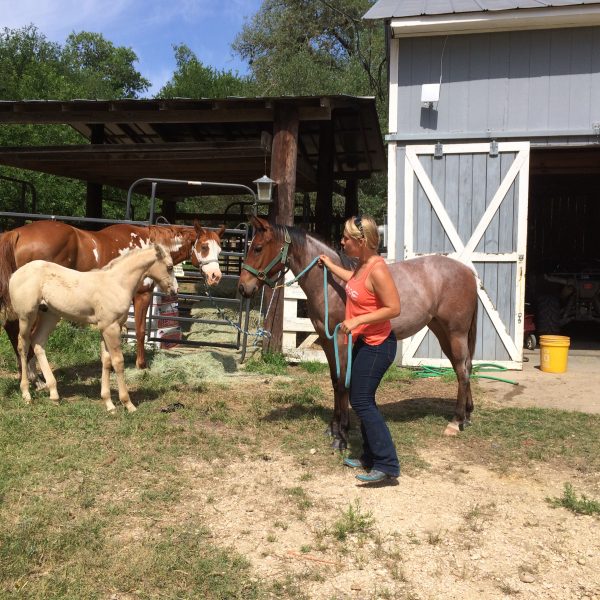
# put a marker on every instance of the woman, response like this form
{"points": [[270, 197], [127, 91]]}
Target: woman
{"points": [[371, 301]]}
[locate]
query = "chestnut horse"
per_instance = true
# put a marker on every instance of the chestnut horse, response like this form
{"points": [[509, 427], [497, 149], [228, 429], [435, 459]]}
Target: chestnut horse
{"points": [[42, 292], [82, 250], [435, 291]]}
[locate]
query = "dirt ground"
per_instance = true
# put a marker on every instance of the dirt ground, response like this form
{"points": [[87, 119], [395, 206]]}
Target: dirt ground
{"points": [[447, 533], [578, 388], [453, 530]]}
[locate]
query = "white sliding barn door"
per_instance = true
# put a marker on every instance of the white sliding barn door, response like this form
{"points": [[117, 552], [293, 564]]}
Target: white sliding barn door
{"points": [[470, 202]]}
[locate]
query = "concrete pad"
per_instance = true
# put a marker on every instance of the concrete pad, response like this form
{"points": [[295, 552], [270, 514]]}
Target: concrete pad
{"points": [[578, 388]]}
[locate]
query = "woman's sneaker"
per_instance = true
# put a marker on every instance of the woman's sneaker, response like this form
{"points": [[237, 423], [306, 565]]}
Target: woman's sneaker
{"points": [[374, 476], [355, 463]]}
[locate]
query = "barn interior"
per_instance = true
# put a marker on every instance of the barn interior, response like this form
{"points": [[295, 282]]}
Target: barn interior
{"points": [[563, 244]]}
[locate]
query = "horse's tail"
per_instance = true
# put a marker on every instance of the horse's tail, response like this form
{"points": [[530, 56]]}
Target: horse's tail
{"points": [[8, 265], [472, 336]]}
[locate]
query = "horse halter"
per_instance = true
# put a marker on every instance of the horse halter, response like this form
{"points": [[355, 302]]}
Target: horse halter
{"points": [[281, 257]]}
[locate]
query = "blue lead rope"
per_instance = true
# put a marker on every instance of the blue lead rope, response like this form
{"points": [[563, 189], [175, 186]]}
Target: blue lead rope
{"points": [[330, 336]]}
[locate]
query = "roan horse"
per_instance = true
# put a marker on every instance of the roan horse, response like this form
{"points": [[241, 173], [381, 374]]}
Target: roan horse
{"points": [[435, 291], [85, 250], [42, 293]]}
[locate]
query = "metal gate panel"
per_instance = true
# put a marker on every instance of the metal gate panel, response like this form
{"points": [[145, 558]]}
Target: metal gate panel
{"points": [[469, 201]]}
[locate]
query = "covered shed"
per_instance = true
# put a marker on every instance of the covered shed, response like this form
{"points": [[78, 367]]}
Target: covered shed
{"points": [[316, 144], [494, 153]]}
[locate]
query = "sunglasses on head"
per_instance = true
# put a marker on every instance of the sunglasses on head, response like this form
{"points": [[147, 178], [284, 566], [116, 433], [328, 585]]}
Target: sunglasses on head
{"points": [[358, 223]]}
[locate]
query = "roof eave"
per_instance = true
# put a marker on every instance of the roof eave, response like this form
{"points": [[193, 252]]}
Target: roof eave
{"points": [[511, 20]]}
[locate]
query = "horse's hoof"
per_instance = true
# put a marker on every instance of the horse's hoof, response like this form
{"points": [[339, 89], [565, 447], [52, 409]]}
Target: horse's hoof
{"points": [[328, 432], [338, 444], [467, 423], [452, 429], [131, 408], [40, 385]]}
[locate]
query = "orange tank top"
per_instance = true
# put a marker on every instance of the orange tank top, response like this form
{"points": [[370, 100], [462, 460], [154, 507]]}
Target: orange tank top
{"points": [[359, 301]]}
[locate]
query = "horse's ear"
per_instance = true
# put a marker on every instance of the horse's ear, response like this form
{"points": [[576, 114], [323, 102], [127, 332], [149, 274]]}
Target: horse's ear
{"points": [[160, 252], [221, 230], [198, 227], [260, 224]]}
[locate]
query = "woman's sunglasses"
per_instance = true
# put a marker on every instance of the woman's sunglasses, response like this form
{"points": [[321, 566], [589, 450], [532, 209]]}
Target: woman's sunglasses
{"points": [[358, 223]]}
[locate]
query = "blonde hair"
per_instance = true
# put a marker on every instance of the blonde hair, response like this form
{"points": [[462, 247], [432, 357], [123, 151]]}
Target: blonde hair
{"points": [[363, 227]]}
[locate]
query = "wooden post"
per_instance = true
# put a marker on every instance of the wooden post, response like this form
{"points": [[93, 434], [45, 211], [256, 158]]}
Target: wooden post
{"points": [[284, 156], [93, 199], [324, 202], [351, 200]]}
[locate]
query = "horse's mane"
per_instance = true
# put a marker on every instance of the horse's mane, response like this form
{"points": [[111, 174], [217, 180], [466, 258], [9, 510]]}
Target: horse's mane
{"points": [[299, 238], [119, 259]]}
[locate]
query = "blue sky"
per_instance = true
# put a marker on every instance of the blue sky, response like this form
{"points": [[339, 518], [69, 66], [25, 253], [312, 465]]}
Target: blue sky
{"points": [[149, 27]]}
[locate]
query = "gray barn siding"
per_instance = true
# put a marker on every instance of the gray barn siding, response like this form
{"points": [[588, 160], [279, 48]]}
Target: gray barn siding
{"points": [[466, 185], [529, 81]]}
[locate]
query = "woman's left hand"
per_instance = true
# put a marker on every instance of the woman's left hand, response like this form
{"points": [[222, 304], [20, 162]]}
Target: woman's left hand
{"points": [[349, 324]]}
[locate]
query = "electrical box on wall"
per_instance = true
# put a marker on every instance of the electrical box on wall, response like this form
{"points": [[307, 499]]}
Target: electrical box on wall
{"points": [[430, 94]]}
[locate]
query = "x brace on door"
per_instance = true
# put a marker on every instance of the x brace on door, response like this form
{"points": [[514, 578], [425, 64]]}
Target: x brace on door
{"points": [[466, 252]]}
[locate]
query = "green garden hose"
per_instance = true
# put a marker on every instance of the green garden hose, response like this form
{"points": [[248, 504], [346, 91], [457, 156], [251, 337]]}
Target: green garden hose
{"points": [[425, 371]]}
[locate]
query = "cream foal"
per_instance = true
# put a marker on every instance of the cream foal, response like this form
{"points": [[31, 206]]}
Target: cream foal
{"points": [[47, 292]]}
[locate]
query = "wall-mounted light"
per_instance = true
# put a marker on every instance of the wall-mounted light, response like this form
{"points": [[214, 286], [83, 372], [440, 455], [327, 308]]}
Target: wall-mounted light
{"points": [[264, 187], [430, 94]]}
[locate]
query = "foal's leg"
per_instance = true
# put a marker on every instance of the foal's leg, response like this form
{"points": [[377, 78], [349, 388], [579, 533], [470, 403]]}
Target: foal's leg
{"points": [[105, 385], [12, 330], [112, 339], [45, 326], [23, 345], [455, 347]]}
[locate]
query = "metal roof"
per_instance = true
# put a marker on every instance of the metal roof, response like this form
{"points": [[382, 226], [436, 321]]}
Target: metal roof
{"points": [[385, 9], [224, 140]]}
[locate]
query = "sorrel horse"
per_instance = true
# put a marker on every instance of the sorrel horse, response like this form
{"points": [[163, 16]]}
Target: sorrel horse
{"points": [[435, 291], [86, 250], [42, 293]]}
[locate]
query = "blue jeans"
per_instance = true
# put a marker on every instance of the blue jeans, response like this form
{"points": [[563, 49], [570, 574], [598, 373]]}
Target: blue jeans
{"points": [[369, 364]]}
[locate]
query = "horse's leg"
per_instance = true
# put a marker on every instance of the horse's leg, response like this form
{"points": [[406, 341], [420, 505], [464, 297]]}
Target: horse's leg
{"points": [[340, 423], [105, 385], [112, 339], [23, 345], [12, 330], [45, 326], [455, 347], [141, 302]]}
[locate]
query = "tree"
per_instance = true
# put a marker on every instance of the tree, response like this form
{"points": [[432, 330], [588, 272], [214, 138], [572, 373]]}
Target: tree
{"points": [[312, 47], [98, 69], [192, 79], [87, 66]]}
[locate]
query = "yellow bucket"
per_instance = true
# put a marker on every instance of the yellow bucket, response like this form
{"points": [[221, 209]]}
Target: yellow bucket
{"points": [[554, 351]]}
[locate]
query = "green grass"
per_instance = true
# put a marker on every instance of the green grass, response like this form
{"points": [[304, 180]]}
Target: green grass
{"points": [[396, 373], [94, 505], [313, 366], [570, 501], [268, 363], [353, 521]]}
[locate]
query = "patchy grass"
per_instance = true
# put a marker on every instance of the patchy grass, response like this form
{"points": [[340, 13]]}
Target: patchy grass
{"points": [[313, 366], [89, 502], [268, 363], [570, 501], [353, 521]]}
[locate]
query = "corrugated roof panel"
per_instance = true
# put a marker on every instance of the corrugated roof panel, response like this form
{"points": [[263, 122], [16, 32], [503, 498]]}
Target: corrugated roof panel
{"points": [[385, 9]]}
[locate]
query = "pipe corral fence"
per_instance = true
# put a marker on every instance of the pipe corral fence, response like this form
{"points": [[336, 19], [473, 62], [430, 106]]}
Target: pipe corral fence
{"points": [[164, 324]]}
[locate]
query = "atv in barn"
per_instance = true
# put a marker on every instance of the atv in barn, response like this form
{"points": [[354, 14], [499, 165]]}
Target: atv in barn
{"points": [[570, 293]]}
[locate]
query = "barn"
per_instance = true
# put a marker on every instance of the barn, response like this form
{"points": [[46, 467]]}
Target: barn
{"points": [[494, 159]]}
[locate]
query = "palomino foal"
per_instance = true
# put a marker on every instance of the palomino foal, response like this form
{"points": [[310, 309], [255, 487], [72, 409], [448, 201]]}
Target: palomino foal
{"points": [[48, 292]]}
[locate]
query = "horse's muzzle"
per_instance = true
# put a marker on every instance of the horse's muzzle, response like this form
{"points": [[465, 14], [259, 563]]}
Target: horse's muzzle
{"points": [[247, 290]]}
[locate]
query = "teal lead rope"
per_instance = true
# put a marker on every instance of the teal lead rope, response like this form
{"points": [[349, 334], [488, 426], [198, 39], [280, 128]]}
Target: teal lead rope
{"points": [[330, 336]]}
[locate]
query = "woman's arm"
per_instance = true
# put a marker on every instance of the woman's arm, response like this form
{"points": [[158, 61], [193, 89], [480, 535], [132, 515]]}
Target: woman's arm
{"points": [[387, 294], [337, 270]]}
